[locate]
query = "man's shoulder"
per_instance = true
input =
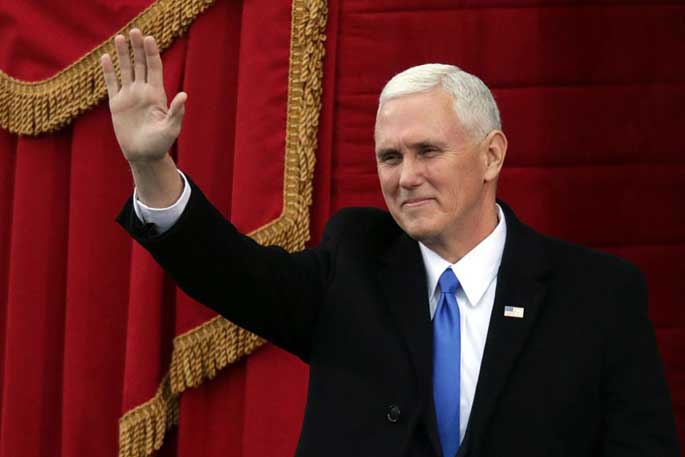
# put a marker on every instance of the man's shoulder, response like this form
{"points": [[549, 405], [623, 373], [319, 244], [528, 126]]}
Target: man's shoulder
{"points": [[581, 261], [362, 226], [362, 213], [362, 219], [556, 252]]}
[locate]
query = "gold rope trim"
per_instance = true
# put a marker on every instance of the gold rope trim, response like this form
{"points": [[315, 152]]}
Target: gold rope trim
{"points": [[142, 429], [32, 108], [291, 229], [200, 353]]}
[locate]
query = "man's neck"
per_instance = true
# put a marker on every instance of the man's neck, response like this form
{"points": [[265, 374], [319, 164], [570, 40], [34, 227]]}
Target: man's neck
{"points": [[458, 244]]}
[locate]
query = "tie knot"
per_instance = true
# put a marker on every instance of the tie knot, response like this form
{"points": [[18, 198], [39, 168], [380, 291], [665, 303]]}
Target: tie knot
{"points": [[448, 282]]}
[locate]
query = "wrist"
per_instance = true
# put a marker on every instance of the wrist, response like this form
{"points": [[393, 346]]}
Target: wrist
{"points": [[148, 162], [157, 182]]}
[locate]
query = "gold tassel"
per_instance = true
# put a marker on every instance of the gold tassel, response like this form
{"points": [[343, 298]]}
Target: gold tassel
{"points": [[200, 353], [142, 429]]}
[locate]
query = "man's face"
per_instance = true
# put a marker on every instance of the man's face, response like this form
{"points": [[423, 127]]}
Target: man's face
{"points": [[431, 171]]}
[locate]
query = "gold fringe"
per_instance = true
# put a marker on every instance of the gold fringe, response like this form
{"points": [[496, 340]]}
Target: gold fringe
{"points": [[32, 108], [142, 429], [305, 76], [200, 353]]}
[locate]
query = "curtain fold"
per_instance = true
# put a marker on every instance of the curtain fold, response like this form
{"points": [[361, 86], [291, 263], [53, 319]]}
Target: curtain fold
{"points": [[35, 297]]}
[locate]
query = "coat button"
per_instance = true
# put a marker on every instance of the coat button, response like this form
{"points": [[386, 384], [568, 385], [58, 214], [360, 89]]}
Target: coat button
{"points": [[393, 413]]}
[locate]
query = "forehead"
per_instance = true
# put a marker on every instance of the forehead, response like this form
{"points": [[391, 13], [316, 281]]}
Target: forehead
{"points": [[417, 117]]}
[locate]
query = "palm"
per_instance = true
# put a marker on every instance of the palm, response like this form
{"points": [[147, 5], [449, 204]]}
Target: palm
{"points": [[139, 117], [144, 127]]}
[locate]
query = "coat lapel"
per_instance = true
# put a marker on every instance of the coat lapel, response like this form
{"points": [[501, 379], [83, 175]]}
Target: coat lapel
{"points": [[521, 284], [402, 279]]}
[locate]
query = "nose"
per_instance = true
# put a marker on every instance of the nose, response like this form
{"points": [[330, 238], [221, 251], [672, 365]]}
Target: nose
{"points": [[411, 174]]}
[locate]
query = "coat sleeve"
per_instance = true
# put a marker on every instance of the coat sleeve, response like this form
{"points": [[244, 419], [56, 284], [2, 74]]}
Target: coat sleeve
{"points": [[266, 290], [638, 419]]}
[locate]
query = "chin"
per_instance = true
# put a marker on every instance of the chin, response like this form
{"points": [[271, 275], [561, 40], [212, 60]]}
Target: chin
{"points": [[418, 231]]}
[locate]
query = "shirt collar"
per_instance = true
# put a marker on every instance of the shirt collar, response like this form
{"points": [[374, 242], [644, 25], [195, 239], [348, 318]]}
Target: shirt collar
{"points": [[476, 269]]}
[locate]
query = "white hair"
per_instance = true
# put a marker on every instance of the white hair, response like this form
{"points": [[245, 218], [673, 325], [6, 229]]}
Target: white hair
{"points": [[473, 102]]}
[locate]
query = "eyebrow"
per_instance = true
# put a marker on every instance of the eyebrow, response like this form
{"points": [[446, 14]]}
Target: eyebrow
{"points": [[428, 144], [383, 151], [424, 144]]}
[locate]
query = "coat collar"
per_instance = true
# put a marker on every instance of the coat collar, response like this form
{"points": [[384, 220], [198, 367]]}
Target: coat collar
{"points": [[520, 283]]}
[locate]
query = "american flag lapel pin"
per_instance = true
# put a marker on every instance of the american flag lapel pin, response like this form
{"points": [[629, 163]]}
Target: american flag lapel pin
{"points": [[513, 311]]}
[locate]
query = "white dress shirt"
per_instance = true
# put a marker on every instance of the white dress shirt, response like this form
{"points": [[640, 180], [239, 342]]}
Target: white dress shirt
{"points": [[476, 271], [477, 274], [163, 218]]}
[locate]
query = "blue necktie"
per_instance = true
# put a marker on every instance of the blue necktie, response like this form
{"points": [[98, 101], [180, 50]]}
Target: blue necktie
{"points": [[446, 363]]}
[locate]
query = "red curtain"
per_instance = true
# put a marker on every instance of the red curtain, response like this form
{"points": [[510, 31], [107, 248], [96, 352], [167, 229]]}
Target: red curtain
{"points": [[89, 318], [591, 95]]}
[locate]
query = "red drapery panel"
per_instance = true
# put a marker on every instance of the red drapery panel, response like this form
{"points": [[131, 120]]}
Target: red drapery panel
{"points": [[591, 95], [88, 318]]}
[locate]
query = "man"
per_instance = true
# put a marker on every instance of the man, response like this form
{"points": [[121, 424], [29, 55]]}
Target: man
{"points": [[443, 328]]}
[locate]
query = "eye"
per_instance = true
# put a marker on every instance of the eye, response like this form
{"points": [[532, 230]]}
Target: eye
{"points": [[389, 157], [428, 150]]}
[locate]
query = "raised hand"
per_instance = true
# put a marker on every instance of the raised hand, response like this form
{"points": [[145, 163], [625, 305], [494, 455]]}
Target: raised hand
{"points": [[144, 127]]}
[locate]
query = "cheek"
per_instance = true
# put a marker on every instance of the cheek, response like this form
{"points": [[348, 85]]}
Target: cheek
{"points": [[388, 180], [456, 185]]}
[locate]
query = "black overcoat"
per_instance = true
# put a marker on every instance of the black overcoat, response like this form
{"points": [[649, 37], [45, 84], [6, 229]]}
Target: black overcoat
{"points": [[578, 375]]}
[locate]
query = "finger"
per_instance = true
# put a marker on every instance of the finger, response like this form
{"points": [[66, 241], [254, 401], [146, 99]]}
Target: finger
{"points": [[124, 60], [110, 77], [154, 62], [177, 108], [140, 65]]}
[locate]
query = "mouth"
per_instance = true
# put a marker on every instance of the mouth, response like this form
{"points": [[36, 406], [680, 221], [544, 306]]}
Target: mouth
{"points": [[416, 202]]}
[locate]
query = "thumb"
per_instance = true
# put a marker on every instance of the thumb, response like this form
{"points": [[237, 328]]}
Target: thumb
{"points": [[177, 108]]}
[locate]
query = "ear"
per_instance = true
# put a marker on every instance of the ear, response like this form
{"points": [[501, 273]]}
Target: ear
{"points": [[495, 145]]}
